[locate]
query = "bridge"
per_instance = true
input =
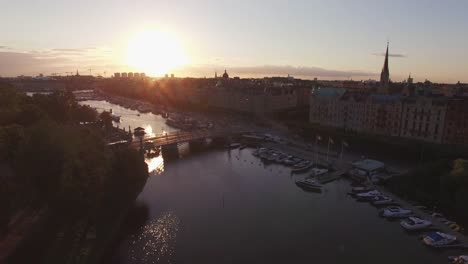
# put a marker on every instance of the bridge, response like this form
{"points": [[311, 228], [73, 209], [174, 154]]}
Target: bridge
{"points": [[186, 136]]}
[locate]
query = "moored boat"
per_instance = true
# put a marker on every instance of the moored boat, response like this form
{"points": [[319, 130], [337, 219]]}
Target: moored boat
{"points": [[318, 172], [463, 259], [302, 167], [367, 196], [395, 212], [361, 189], [439, 239], [309, 183], [413, 223], [382, 200]]}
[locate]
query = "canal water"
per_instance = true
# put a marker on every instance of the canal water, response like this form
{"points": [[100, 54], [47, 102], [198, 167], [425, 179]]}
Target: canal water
{"points": [[153, 124], [226, 206]]}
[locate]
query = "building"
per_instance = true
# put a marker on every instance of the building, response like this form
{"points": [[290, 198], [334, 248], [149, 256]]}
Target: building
{"points": [[325, 107], [455, 130], [423, 118], [117, 75]]}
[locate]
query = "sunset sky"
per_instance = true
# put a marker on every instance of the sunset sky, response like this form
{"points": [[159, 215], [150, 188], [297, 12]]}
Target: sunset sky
{"points": [[305, 38]]}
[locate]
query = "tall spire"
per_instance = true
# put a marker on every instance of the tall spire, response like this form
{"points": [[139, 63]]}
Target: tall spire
{"points": [[385, 68], [385, 75]]}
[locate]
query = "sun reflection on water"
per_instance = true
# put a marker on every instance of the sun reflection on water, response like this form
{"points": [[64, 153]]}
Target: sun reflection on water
{"points": [[155, 165], [149, 131], [156, 241]]}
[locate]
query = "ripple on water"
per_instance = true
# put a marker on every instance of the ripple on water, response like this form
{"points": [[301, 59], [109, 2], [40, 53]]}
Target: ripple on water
{"points": [[156, 241]]}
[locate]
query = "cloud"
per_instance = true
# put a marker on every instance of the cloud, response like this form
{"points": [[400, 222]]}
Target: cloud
{"points": [[61, 61], [73, 50], [274, 70], [395, 55]]}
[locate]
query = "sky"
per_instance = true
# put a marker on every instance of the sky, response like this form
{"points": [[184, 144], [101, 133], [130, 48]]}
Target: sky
{"points": [[333, 39]]}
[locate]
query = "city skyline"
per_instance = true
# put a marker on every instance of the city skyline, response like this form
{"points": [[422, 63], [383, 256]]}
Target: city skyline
{"points": [[336, 40]]}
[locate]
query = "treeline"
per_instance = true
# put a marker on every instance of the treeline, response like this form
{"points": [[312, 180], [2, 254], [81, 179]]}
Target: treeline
{"points": [[442, 185], [53, 154]]}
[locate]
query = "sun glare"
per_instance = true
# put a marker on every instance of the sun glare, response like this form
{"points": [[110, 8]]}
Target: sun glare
{"points": [[155, 53]]}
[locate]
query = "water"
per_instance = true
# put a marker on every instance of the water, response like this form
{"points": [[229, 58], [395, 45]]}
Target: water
{"points": [[153, 124], [222, 206]]}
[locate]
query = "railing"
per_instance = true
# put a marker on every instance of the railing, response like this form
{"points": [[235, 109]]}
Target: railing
{"points": [[184, 136]]}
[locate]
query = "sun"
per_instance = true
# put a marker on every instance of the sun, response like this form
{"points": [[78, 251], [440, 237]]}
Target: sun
{"points": [[155, 53]]}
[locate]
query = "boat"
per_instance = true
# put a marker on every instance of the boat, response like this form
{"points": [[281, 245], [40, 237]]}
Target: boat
{"points": [[395, 212], [271, 157], [264, 155], [415, 223], [368, 195], [303, 166], [318, 172], [309, 183], [234, 145], [439, 239], [115, 118], [242, 146], [382, 200], [288, 162], [361, 189], [463, 259]]}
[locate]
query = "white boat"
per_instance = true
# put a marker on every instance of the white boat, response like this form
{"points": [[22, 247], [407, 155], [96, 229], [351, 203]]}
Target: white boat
{"points": [[395, 212], [318, 172], [439, 239], [381, 200], [234, 145], [368, 195], [360, 189], [463, 259], [309, 183], [303, 166], [415, 223]]}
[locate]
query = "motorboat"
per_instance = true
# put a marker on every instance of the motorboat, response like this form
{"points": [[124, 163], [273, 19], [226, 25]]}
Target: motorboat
{"points": [[242, 146], [309, 183], [288, 162], [361, 189], [296, 161], [318, 172], [301, 167], [395, 212], [115, 118], [439, 239], [272, 157], [280, 158], [463, 259], [368, 195], [415, 223], [234, 145], [382, 200]]}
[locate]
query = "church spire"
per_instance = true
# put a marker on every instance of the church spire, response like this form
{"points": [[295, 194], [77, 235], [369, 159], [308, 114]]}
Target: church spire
{"points": [[385, 75]]}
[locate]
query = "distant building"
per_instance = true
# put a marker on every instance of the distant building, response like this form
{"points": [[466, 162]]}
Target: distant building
{"points": [[130, 75], [124, 75], [136, 75], [117, 75], [225, 74]]}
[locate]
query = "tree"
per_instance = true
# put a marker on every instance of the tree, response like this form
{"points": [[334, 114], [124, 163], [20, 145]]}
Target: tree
{"points": [[106, 119]]}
